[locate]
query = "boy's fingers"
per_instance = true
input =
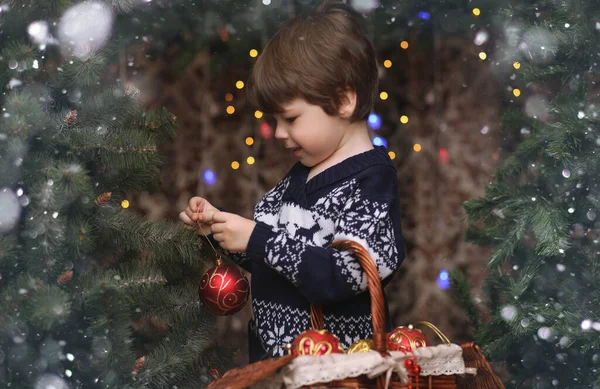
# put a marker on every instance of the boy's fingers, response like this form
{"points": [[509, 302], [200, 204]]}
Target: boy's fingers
{"points": [[219, 217], [197, 204], [185, 218], [191, 215], [209, 217]]}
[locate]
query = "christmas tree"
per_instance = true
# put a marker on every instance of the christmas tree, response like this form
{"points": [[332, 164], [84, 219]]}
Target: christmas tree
{"points": [[91, 294], [540, 212]]}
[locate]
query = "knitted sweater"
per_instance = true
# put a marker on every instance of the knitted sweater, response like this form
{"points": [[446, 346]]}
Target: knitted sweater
{"points": [[292, 267]]}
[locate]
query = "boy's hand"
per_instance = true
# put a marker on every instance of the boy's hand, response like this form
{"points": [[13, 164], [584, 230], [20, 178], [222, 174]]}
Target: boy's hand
{"points": [[197, 210], [231, 231]]}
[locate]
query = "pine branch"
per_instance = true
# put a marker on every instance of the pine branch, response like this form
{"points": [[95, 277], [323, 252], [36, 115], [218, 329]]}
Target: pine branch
{"points": [[165, 241], [34, 302], [549, 226], [462, 292]]}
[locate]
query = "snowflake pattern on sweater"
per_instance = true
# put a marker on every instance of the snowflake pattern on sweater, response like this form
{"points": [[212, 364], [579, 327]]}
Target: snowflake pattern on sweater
{"points": [[291, 265]]}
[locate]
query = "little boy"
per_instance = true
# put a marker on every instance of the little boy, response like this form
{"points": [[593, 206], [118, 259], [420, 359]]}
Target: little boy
{"points": [[318, 78]]}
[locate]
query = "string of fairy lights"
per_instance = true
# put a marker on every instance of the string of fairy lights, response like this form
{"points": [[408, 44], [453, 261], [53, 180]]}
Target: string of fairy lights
{"points": [[374, 121]]}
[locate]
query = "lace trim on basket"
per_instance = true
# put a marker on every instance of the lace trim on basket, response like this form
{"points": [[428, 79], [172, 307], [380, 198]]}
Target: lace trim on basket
{"points": [[306, 370]]}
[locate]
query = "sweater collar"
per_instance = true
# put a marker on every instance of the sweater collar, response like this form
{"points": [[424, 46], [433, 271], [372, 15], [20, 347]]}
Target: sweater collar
{"points": [[344, 169]]}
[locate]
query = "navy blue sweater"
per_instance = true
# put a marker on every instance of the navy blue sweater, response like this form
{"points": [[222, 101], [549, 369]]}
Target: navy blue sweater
{"points": [[290, 263]]}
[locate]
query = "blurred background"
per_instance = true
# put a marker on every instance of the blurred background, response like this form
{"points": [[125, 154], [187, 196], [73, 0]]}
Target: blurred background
{"points": [[132, 107]]}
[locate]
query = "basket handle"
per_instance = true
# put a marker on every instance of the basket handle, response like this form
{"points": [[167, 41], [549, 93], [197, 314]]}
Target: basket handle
{"points": [[375, 291]]}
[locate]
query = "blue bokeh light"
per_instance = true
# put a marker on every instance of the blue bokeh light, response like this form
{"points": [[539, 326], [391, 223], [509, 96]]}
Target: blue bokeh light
{"points": [[374, 121], [379, 141], [424, 15], [209, 177], [443, 280]]}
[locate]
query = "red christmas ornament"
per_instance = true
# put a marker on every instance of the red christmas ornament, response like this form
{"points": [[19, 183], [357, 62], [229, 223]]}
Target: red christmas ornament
{"points": [[406, 339], [316, 342], [224, 289]]}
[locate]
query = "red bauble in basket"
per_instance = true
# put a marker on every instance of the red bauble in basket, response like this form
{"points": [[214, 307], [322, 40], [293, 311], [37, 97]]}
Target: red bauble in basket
{"points": [[406, 339], [224, 289], [316, 342]]}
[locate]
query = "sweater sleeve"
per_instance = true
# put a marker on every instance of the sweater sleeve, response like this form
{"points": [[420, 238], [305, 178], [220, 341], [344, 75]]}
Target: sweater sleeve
{"points": [[243, 260], [325, 275]]}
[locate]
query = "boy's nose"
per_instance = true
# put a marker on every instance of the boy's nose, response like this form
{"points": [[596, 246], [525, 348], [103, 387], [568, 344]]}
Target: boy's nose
{"points": [[280, 133]]}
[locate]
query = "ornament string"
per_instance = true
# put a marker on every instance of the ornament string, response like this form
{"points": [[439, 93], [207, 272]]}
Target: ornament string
{"points": [[217, 255]]}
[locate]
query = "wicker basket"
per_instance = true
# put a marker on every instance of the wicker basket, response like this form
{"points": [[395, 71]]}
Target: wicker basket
{"points": [[249, 375]]}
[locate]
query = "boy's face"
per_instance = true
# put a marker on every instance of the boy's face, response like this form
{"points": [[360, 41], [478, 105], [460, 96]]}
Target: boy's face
{"points": [[308, 132]]}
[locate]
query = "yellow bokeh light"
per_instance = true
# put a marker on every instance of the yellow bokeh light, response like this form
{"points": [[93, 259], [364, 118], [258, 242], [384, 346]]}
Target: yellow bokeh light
{"points": [[392, 154], [417, 147], [383, 95], [125, 203], [387, 63], [516, 64], [228, 97], [235, 165], [253, 53], [239, 84], [258, 114], [476, 11], [482, 55], [230, 109], [404, 45], [403, 119], [517, 92], [249, 141], [250, 160]]}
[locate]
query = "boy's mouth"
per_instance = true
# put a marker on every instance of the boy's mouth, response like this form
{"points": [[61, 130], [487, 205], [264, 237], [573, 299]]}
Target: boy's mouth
{"points": [[296, 150]]}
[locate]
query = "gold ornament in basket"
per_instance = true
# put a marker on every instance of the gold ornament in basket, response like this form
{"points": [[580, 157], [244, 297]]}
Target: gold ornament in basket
{"points": [[315, 360]]}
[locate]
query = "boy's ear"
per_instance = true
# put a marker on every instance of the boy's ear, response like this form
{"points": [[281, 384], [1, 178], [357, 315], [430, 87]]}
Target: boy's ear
{"points": [[347, 103]]}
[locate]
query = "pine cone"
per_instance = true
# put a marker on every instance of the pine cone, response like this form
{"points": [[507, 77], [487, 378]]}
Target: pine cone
{"points": [[70, 118], [137, 366], [103, 198], [65, 277]]}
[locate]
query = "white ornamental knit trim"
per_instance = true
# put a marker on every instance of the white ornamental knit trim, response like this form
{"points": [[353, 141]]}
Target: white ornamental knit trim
{"points": [[349, 329], [267, 208], [278, 324]]}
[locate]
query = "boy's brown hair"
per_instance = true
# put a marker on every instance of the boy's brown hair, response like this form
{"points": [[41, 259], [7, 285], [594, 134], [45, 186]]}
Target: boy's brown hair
{"points": [[315, 57]]}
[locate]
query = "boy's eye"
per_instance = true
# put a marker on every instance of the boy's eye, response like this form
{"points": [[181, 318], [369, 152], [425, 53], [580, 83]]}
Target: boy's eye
{"points": [[290, 120]]}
